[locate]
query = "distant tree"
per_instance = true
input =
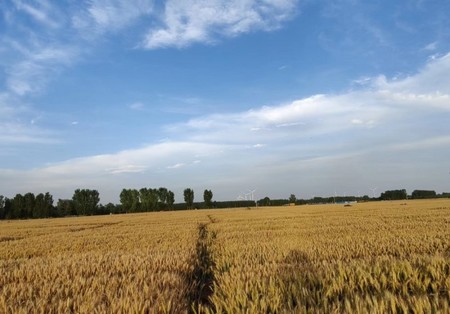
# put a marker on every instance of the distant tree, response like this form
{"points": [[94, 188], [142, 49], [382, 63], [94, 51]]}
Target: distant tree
{"points": [[43, 205], [8, 208], [129, 198], [134, 197], [110, 208], [162, 196], [292, 198], [125, 200], [394, 195], [48, 203], [420, 194], [2, 207], [30, 202], [38, 211], [189, 197], [102, 210], [265, 201], [207, 197], [85, 201], [65, 208], [18, 207], [170, 199], [149, 199]]}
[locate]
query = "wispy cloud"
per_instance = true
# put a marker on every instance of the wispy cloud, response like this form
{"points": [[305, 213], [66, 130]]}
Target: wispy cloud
{"points": [[142, 166], [38, 67], [176, 166], [21, 133], [431, 46], [102, 16], [18, 124], [136, 106], [127, 169], [192, 21], [28, 74], [41, 11]]}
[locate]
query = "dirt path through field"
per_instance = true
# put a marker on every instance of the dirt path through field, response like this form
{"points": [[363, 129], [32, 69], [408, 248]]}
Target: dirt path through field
{"points": [[202, 279]]}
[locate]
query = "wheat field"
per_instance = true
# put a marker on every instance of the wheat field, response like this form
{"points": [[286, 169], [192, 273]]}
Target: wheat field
{"points": [[380, 257]]}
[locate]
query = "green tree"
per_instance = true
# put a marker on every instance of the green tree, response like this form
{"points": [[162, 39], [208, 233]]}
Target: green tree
{"points": [[421, 194], [65, 208], [29, 206], [85, 201], [110, 208], [189, 197], [265, 201], [149, 199], [2, 207], [129, 198], [43, 205], [48, 203], [8, 208], [207, 197], [18, 209], [394, 195], [162, 195], [292, 198], [170, 199], [38, 211]]}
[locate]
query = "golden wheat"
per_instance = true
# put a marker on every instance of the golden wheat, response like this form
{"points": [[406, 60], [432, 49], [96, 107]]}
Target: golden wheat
{"points": [[384, 257], [375, 257]]}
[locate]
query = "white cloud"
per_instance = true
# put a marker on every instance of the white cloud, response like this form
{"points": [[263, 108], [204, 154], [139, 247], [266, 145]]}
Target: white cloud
{"points": [[19, 133], [185, 22], [432, 79], [127, 169], [119, 169], [18, 124], [110, 15], [40, 64], [137, 106], [431, 46], [357, 121], [176, 166], [32, 57], [428, 143], [42, 11]]}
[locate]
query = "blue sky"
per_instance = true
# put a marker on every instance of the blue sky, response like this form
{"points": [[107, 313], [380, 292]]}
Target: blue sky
{"points": [[305, 97]]}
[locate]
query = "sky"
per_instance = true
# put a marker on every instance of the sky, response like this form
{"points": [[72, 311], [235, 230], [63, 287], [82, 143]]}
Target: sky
{"points": [[312, 98]]}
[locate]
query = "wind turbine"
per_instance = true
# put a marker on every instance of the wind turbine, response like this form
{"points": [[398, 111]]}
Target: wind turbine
{"points": [[373, 191], [252, 194]]}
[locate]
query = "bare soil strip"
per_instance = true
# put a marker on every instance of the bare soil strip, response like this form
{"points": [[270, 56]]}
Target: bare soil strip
{"points": [[202, 277]]}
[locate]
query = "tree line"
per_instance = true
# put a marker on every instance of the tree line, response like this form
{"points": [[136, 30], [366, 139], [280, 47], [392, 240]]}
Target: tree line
{"points": [[86, 202], [83, 202], [388, 195]]}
